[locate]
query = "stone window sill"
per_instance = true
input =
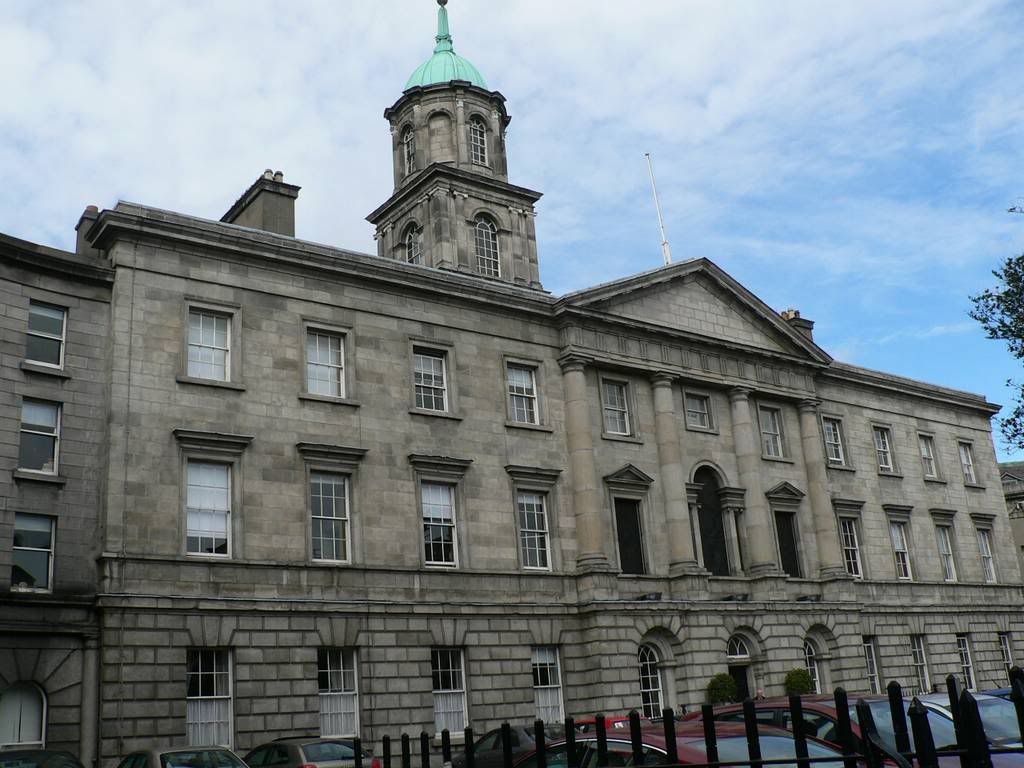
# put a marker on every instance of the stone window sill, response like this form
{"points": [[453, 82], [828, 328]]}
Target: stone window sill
{"points": [[841, 467], [328, 399], [436, 414], [39, 477], [781, 459], [527, 425], [936, 480], [621, 438], [45, 370], [975, 486], [211, 383], [702, 430], [896, 475]]}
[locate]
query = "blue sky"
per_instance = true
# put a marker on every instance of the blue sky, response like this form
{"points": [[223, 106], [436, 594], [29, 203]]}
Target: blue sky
{"points": [[853, 160]]}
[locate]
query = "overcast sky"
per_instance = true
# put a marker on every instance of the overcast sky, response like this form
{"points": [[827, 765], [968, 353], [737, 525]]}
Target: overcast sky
{"points": [[854, 160]]}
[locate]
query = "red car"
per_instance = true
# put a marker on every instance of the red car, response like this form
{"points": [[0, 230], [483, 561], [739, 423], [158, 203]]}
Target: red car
{"points": [[732, 746]]}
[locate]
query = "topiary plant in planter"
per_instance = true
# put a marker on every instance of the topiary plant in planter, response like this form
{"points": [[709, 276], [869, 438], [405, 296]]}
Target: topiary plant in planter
{"points": [[798, 682], [722, 689]]}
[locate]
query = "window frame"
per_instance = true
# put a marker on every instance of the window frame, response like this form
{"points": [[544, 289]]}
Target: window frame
{"points": [[342, 333], [919, 643], [408, 141], [233, 357], [947, 560], [228, 513], [855, 527], [646, 692], [51, 553], [521, 530], [346, 476], [43, 717], [1005, 641], [983, 534], [629, 408], [482, 257], [712, 423], [55, 435], [903, 524], [446, 353], [229, 697], [812, 663], [533, 369], [479, 152], [59, 366], [842, 461], [463, 690], [322, 654], [966, 657], [872, 669], [968, 468], [453, 488], [557, 666], [890, 449], [413, 237], [771, 409], [929, 438]]}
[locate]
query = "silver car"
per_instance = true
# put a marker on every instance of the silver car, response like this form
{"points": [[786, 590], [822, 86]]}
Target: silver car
{"points": [[997, 715], [183, 757]]}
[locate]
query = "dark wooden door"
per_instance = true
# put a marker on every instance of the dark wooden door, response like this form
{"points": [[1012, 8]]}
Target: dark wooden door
{"points": [[712, 526], [631, 547], [785, 526]]}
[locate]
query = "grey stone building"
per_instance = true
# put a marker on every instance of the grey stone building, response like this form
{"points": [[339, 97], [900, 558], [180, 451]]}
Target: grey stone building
{"points": [[376, 494], [54, 331]]}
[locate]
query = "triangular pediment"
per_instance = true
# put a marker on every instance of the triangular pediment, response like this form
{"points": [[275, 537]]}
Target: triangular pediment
{"points": [[697, 298], [629, 475], [784, 491]]}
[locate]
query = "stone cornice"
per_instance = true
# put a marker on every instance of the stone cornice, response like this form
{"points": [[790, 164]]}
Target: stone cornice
{"points": [[212, 442], [339, 455], [848, 507], [63, 263], [534, 475], [847, 373], [443, 466]]}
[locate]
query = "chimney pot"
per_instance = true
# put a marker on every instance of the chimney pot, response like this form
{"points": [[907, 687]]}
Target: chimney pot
{"points": [[268, 174], [278, 176]]}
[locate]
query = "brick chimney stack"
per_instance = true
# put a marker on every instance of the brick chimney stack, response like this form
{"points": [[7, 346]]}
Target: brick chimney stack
{"points": [[269, 205]]}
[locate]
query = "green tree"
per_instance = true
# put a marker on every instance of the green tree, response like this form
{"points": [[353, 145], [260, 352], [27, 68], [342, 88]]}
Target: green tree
{"points": [[722, 689], [1000, 310], [798, 682]]}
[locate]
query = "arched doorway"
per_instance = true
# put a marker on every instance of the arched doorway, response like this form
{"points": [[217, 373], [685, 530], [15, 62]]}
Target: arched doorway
{"points": [[713, 543], [737, 654], [22, 716]]}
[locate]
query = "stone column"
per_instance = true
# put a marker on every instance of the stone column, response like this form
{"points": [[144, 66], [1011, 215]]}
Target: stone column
{"points": [[670, 461], [90, 713], [586, 494], [748, 460], [830, 558]]}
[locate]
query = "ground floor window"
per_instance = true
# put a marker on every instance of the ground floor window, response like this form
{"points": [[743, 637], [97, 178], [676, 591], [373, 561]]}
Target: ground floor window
{"points": [[650, 681], [963, 648], [547, 683], [22, 717], [339, 699], [449, 684], [812, 664], [871, 664], [208, 715]]}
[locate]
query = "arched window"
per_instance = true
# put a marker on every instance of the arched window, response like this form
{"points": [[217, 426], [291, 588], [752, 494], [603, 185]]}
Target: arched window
{"points": [[409, 149], [22, 716], [811, 662], [737, 649], [414, 245], [487, 248], [478, 141], [650, 681]]}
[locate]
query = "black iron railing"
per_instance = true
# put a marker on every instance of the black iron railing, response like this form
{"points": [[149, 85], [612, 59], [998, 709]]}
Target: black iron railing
{"points": [[857, 740]]}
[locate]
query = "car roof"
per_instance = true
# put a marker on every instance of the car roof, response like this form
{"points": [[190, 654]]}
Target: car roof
{"points": [[942, 699]]}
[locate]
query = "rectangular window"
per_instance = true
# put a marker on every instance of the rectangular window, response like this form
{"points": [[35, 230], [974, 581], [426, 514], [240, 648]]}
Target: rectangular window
{"points": [[430, 380], [339, 700], [32, 566], [629, 531], [1006, 649], [547, 683], [438, 507], [883, 449], [698, 411], [208, 506], [616, 407], [944, 534], [919, 661], [449, 689], [328, 499], [40, 436], [927, 446], [785, 528], [963, 649], [208, 716], [871, 664], [325, 363], [45, 339], [833, 429], [522, 394], [209, 345], [771, 431], [967, 463], [900, 548], [533, 530], [988, 565], [851, 546]]}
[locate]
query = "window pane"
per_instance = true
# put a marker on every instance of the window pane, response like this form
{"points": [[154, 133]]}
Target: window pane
{"points": [[39, 416], [37, 452], [44, 319], [43, 350]]}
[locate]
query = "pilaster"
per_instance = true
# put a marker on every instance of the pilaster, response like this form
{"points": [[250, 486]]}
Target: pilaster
{"points": [[748, 460], [830, 558]]}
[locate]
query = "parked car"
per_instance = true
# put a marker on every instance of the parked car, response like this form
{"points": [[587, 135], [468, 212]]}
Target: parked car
{"points": [[296, 751], [776, 744], [38, 758], [183, 757], [487, 751], [1002, 693], [998, 715]]}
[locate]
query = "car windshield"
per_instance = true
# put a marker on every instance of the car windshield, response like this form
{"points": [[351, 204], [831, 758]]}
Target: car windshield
{"points": [[1000, 719], [30, 759], [942, 728], [325, 751], [732, 749]]}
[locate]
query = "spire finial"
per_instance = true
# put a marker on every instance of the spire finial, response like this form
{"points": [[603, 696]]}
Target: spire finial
{"points": [[444, 38]]}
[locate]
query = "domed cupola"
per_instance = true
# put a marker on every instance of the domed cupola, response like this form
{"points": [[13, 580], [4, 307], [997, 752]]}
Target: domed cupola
{"points": [[453, 207], [445, 65]]}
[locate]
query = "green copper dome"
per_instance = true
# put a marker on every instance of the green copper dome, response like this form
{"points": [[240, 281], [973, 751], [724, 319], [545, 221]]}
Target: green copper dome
{"points": [[445, 65]]}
